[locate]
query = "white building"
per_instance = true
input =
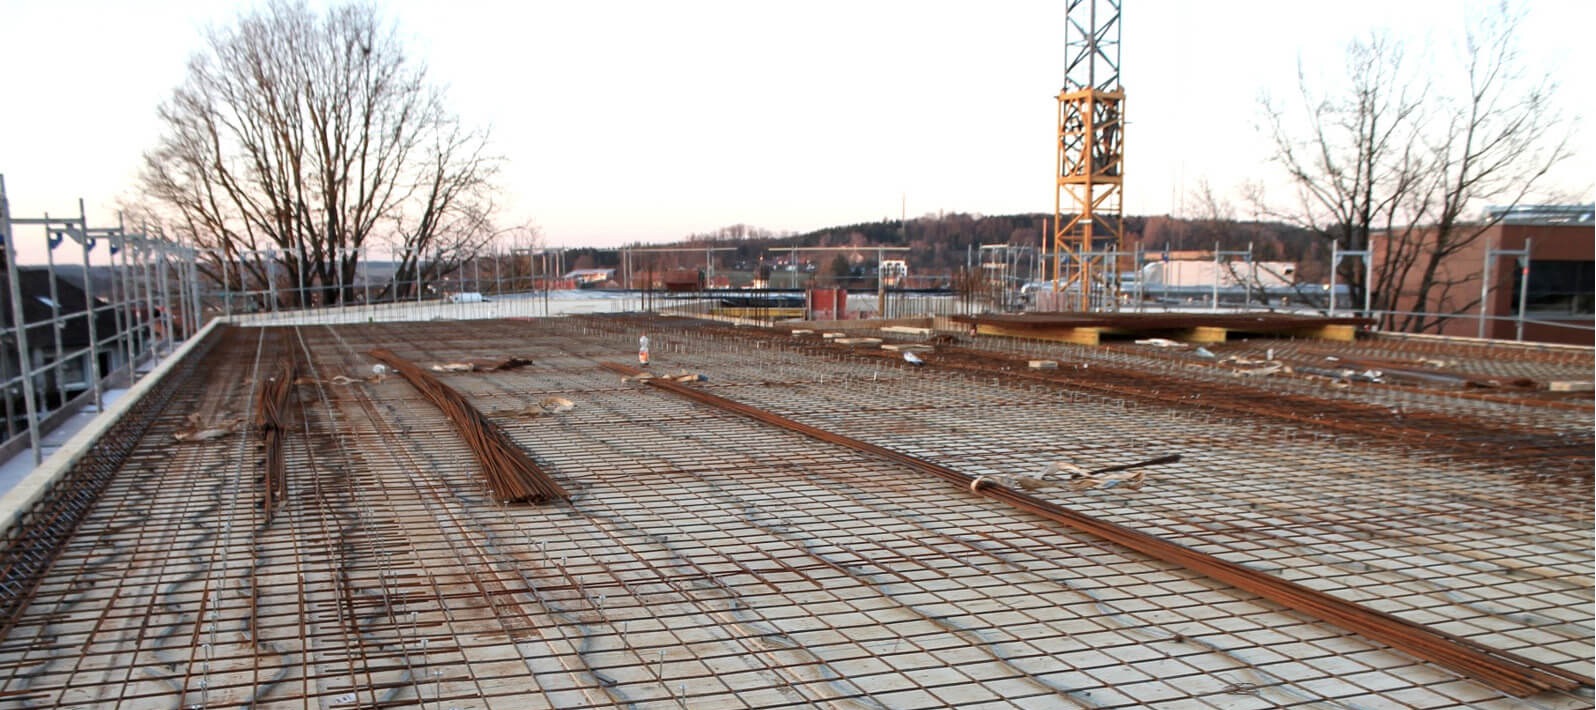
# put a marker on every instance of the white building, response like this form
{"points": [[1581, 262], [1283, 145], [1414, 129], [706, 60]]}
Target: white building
{"points": [[1257, 274]]}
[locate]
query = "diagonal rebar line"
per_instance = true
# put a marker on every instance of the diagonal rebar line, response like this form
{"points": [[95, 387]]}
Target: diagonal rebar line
{"points": [[512, 475], [1505, 671]]}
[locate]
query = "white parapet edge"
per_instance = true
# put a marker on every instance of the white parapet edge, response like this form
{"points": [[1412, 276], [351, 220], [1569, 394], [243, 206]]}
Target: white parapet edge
{"points": [[17, 501]]}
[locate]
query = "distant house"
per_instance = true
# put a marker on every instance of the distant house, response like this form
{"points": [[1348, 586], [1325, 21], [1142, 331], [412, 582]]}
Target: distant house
{"points": [[590, 278], [65, 310], [893, 271], [1192, 272]]}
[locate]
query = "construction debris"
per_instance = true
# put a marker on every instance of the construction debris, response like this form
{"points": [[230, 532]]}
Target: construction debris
{"points": [[906, 330], [1161, 343], [683, 376], [1522, 383], [1345, 374], [1078, 478], [545, 407], [1571, 386], [510, 363], [1247, 367], [198, 430], [1261, 371], [556, 405], [1043, 364]]}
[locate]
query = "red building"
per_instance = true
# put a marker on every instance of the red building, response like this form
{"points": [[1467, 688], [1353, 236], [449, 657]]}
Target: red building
{"points": [[1557, 297]]}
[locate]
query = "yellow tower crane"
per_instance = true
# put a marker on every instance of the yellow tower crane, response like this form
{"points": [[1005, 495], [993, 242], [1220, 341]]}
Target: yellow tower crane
{"points": [[1087, 223]]}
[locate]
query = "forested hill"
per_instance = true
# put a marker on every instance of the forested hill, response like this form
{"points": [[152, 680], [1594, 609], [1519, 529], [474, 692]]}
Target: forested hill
{"points": [[943, 243]]}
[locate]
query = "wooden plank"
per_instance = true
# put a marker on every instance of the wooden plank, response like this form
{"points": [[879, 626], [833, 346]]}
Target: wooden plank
{"points": [[1203, 335], [1078, 336], [1571, 386], [906, 330], [1338, 333]]}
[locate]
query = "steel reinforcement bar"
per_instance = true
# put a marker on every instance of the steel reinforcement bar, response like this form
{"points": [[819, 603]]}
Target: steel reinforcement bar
{"points": [[1507, 672], [271, 402], [36, 537], [512, 475]]}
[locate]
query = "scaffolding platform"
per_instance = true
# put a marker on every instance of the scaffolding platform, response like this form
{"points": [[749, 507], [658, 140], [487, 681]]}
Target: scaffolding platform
{"points": [[1093, 328]]}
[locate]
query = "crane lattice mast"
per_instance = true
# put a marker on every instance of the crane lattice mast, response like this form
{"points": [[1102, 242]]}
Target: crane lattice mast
{"points": [[1087, 224]]}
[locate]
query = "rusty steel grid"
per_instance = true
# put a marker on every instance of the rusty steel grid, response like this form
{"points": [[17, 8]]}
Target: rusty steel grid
{"points": [[707, 561]]}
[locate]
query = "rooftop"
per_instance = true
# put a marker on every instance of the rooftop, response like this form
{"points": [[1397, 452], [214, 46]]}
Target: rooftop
{"points": [[802, 521], [1544, 214]]}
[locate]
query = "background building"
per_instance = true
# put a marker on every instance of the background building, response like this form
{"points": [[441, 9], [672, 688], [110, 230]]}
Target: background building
{"points": [[1557, 297]]}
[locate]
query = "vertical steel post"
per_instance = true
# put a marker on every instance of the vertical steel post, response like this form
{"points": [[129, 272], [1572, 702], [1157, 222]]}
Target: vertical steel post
{"points": [[194, 287], [166, 293], [24, 353], [91, 309], [270, 256], [113, 247], [302, 300], [1335, 263], [124, 327], [1485, 286], [338, 275], [1368, 282], [1215, 302], [51, 240], [1523, 289], [143, 288]]}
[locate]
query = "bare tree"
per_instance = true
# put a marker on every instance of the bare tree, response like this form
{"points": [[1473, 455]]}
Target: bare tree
{"points": [[1501, 137], [1396, 164], [297, 141], [1357, 164]]}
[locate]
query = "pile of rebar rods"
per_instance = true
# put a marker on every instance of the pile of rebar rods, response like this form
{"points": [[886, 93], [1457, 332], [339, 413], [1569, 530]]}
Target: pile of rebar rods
{"points": [[1504, 671], [271, 401], [512, 475]]}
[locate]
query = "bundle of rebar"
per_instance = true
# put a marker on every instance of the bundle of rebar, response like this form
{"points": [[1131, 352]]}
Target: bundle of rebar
{"points": [[512, 476], [1508, 672], [271, 401]]}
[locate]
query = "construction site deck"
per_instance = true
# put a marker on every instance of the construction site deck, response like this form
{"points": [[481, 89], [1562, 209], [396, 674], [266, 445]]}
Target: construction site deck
{"points": [[777, 517]]}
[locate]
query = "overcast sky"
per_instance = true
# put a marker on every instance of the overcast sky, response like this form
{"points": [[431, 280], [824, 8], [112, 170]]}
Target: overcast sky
{"points": [[646, 121]]}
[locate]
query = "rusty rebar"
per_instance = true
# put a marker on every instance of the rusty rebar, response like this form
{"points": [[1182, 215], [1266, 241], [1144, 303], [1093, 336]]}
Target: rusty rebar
{"points": [[1508, 672], [512, 475], [271, 402]]}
